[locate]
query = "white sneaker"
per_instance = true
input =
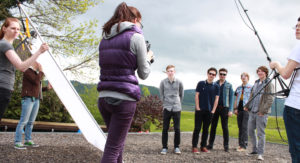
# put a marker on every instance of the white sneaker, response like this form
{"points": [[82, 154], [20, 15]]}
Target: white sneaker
{"points": [[260, 157], [164, 151], [177, 151]]}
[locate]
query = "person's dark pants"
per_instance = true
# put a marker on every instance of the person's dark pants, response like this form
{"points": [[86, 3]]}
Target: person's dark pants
{"points": [[117, 115], [5, 95], [242, 119], [291, 118], [167, 115], [223, 113], [201, 117]]}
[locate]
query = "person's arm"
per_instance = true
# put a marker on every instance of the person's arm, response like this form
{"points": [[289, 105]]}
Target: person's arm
{"points": [[235, 102], [269, 100], [161, 90], [181, 91], [24, 65], [246, 107], [215, 104], [230, 101], [138, 47], [286, 71], [197, 100]]}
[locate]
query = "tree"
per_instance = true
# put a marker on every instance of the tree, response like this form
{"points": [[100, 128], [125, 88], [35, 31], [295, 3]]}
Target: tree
{"points": [[69, 40], [145, 91], [148, 111], [6, 5], [72, 41]]}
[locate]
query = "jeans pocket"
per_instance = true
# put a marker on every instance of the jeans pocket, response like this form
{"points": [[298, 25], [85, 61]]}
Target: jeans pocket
{"points": [[297, 113]]}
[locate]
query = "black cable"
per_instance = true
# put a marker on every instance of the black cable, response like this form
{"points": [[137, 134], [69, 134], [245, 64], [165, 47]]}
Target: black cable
{"points": [[24, 28], [285, 88], [242, 16]]}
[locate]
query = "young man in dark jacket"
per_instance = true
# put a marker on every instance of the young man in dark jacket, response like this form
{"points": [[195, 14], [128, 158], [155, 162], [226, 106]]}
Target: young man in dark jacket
{"points": [[224, 110]]}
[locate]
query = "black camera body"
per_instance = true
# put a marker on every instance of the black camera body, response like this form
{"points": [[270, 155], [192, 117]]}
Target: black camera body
{"points": [[148, 45]]}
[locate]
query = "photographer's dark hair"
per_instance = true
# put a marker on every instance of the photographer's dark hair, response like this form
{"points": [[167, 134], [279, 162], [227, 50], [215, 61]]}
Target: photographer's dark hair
{"points": [[212, 69], [299, 19], [122, 13]]}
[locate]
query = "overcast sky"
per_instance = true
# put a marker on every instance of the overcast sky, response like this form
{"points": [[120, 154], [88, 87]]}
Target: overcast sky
{"points": [[194, 35]]}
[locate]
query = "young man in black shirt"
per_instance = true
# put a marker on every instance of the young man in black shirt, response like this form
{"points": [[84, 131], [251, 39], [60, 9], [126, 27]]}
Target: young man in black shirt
{"points": [[206, 100]]}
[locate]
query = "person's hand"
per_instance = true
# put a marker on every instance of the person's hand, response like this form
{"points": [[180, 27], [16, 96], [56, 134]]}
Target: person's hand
{"points": [[212, 112], [198, 108], [44, 47], [149, 55], [246, 109], [236, 112], [229, 114], [49, 86], [273, 64]]}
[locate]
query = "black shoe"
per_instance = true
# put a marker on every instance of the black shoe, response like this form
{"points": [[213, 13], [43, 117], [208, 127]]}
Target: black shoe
{"points": [[209, 147], [226, 150], [252, 153]]}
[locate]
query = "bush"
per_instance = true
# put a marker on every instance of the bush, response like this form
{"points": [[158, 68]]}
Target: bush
{"points": [[148, 111]]}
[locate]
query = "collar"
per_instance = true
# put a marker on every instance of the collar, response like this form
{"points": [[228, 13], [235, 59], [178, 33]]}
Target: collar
{"points": [[174, 80]]}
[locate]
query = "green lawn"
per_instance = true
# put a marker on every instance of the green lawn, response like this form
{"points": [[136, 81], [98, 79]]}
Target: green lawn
{"points": [[272, 135]]}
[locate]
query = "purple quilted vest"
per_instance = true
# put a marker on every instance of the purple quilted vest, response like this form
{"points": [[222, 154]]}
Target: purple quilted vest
{"points": [[118, 65]]}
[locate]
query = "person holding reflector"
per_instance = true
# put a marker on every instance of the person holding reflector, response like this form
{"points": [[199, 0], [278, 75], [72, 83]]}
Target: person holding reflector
{"points": [[10, 61], [291, 114], [121, 52]]}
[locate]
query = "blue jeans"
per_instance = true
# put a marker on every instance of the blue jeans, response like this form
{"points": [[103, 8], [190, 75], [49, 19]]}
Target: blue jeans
{"points": [[291, 118], [30, 108]]}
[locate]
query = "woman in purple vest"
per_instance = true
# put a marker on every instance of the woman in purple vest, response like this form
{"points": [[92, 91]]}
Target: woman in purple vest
{"points": [[121, 52]]}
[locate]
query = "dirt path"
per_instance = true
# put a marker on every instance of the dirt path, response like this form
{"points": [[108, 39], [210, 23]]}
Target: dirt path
{"points": [[140, 148]]}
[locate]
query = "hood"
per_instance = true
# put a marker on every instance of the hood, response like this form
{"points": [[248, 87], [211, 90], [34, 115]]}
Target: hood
{"points": [[113, 31]]}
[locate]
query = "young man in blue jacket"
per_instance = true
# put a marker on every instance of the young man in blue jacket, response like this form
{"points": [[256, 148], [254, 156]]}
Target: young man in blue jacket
{"points": [[224, 110]]}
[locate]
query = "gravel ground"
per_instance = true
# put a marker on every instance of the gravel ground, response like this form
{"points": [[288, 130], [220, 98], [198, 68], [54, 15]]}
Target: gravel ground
{"points": [[139, 148]]}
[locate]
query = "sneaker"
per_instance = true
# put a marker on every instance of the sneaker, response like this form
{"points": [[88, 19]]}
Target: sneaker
{"points": [[19, 146], [30, 144], [240, 149], [164, 151], [260, 157], [177, 151], [252, 153], [204, 149], [195, 150]]}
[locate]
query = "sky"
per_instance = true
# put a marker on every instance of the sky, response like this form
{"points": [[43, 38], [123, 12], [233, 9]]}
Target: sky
{"points": [[194, 35]]}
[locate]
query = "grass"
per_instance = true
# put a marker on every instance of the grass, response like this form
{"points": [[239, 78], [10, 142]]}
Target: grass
{"points": [[272, 135]]}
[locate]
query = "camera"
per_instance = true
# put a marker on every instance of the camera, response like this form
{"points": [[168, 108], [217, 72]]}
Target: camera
{"points": [[148, 45]]}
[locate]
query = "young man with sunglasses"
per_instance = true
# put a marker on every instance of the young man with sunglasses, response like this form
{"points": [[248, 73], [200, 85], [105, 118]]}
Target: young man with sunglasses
{"points": [[206, 100], [224, 110]]}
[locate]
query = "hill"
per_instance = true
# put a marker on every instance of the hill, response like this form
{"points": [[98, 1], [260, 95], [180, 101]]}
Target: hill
{"points": [[188, 103]]}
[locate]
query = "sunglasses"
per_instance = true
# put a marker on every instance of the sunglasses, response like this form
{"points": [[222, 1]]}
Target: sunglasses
{"points": [[212, 74], [221, 74]]}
